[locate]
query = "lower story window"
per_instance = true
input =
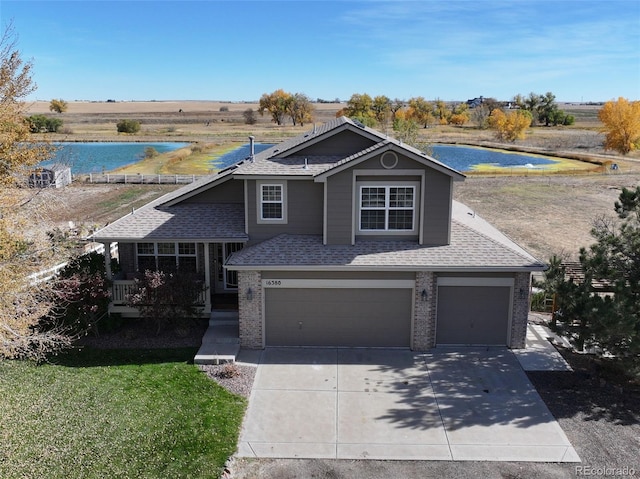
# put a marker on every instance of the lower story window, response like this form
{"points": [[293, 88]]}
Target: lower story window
{"points": [[167, 256]]}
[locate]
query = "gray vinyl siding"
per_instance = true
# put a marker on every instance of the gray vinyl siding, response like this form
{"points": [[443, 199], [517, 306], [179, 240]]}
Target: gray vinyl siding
{"points": [[339, 208], [342, 144], [436, 208], [304, 211], [404, 163], [230, 191]]}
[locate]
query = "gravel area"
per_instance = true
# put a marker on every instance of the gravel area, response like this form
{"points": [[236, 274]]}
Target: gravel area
{"points": [[237, 378]]}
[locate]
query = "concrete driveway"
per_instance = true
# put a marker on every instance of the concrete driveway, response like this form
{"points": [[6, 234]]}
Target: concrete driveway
{"points": [[449, 404]]}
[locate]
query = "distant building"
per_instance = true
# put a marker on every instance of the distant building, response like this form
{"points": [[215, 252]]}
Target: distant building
{"points": [[475, 102], [54, 176]]}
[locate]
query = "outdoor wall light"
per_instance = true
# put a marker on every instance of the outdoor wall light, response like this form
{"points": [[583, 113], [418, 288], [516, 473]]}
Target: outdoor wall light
{"points": [[249, 294], [521, 293], [423, 295]]}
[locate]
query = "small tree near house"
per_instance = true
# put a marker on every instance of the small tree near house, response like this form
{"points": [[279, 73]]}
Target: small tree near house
{"points": [[608, 320], [162, 296]]}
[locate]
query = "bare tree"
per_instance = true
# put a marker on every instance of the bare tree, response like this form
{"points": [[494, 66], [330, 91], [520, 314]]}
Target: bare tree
{"points": [[23, 303]]}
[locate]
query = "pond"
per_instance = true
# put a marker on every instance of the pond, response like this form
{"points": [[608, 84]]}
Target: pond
{"points": [[97, 157], [467, 158], [238, 154]]}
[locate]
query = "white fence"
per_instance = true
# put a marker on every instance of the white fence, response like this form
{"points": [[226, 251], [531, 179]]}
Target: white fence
{"points": [[140, 179], [47, 274]]}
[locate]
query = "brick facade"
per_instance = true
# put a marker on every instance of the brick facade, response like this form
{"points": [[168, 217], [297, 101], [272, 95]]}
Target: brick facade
{"points": [[424, 319], [250, 309], [520, 313]]}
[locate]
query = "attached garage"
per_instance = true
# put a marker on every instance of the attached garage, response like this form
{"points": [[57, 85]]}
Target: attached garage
{"points": [[474, 311], [338, 313]]}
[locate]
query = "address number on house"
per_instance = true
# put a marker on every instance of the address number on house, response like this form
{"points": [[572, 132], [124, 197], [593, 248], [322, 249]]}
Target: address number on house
{"points": [[272, 283]]}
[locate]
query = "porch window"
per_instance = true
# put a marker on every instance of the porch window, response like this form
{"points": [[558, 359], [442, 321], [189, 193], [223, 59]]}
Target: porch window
{"points": [[167, 256], [387, 208]]}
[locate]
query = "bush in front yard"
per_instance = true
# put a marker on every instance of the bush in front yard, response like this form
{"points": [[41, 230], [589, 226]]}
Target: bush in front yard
{"points": [[161, 295]]}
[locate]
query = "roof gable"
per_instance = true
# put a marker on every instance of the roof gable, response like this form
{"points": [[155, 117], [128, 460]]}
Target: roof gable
{"points": [[295, 156]]}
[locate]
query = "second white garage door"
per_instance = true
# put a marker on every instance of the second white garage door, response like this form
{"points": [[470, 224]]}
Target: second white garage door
{"points": [[354, 317]]}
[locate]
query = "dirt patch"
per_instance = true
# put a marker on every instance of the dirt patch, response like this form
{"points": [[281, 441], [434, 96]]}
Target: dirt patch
{"points": [[545, 215]]}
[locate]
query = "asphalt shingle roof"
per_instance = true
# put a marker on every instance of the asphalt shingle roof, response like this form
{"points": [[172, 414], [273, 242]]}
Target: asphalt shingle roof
{"points": [[191, 221]]}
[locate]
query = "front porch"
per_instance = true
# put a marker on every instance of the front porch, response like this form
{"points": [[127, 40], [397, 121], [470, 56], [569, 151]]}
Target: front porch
{"points": [[205, 258]]}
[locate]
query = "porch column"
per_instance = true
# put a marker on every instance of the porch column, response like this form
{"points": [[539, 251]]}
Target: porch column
{"points": [[107, 260], [207, 278]]}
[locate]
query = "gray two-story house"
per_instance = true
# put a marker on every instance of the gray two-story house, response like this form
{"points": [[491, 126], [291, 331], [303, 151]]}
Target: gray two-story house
{"points": [[342, 236]]}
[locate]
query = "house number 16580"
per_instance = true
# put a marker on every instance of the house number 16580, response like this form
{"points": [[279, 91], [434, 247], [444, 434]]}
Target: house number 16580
{"points": [[273, 282]]}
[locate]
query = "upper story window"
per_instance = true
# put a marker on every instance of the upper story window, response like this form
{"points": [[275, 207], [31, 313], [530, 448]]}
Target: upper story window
{"points": [[272, 202], [387, 208], [168, 256]]}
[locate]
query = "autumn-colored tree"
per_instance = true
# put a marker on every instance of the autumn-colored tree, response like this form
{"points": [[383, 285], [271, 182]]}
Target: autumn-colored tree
{"points": [[23, 302], [278, 104], [421, 111], [359, 107], [459, 114], [58, 106], [510, 126], [621, 120], [406, 128], [382, 109], [301, 109], [441, 112]]}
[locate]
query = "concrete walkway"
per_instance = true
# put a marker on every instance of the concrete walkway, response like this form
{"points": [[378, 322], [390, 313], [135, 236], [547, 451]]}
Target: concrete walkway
{"points": [[448, 404]]}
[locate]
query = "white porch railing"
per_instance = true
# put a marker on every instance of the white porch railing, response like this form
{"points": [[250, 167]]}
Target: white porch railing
{"points": [[122, 288]]}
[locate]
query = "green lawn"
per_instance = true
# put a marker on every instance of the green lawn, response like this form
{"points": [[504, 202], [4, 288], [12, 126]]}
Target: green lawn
{"points": [[115, 414]]}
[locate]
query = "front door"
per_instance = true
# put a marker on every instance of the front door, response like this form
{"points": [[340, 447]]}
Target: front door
{"points": [[225, 281]]}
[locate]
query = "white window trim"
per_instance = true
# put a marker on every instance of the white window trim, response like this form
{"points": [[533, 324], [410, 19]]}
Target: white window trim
{"points": [[388, 185], [259, 202]]}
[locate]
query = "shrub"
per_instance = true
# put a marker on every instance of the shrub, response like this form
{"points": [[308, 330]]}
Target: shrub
{"points": [[83, 292], [128, 126], [150, 152], [228, 371], [224, 108], [162, 296], [42, 123], [249, 116]]}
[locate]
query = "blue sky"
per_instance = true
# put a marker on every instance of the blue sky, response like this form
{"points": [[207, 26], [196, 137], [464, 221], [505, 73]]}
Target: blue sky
{"points": [[580, 50]]}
